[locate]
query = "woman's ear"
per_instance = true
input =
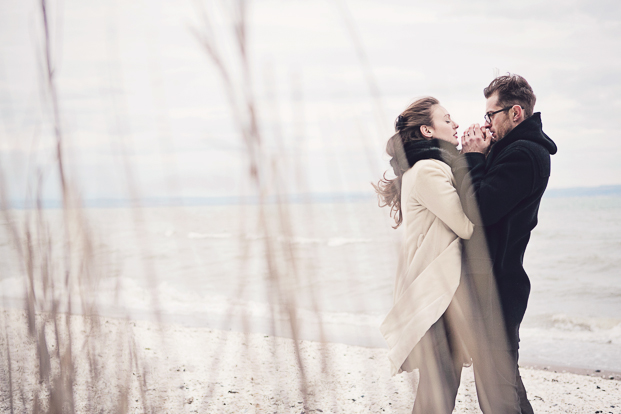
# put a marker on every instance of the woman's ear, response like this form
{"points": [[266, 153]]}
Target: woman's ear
{"points": [[426, 131]]}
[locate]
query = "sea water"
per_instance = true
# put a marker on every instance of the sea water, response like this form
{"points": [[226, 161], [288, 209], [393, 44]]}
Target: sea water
{"points": [[334, 263]]}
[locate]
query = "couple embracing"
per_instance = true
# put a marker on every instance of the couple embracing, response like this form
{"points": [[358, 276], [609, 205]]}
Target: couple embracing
{"points": [[461, 290]]}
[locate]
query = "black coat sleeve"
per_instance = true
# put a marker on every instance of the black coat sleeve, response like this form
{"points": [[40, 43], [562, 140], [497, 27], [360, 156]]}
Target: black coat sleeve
{"points": [[487, 195]]}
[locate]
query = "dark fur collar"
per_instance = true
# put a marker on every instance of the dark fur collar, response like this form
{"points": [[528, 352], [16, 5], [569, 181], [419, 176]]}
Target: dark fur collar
{"points": [[429, 149]]}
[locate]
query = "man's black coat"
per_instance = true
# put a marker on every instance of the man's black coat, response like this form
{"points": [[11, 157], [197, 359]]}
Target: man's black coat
{"points": [[501, 194]]}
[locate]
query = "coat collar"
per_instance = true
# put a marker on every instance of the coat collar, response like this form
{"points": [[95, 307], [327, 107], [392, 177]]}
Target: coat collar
{"points": [[531, 130], [429, 149]]}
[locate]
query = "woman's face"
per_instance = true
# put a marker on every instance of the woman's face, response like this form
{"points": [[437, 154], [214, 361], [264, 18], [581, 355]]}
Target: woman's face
{"points": [[443, 127]]}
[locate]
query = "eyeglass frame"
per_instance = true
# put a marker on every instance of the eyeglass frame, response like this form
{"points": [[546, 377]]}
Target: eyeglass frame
{"points": [[488, 115]]}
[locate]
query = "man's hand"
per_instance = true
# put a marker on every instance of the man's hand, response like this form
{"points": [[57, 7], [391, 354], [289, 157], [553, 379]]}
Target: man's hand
{"points": [[475, 139]]}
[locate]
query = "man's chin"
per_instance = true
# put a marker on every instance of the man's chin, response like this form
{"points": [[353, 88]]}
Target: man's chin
{"points": [[496, 137]]}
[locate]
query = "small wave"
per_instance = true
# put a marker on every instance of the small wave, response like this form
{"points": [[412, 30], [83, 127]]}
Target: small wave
{"points": [[208, 235], [341, 241], [564, 323], [332, 242], [561, 326], [254, 237], [304, 240], [574, 323]]}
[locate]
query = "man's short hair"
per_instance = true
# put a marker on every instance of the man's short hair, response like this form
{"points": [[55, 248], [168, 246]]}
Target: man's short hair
{"points": [[512, 90]]}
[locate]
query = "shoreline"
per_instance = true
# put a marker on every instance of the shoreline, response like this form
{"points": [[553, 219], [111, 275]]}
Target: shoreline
{"points": [[595, 373], [334, 334], [175, 368]]}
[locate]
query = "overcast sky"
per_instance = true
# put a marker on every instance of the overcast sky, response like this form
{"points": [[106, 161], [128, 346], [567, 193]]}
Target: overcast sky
{"points": [[140, 98]]}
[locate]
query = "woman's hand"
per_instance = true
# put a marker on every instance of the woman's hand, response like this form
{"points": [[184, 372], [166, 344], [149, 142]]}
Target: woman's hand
{"points": [[475, 139]]}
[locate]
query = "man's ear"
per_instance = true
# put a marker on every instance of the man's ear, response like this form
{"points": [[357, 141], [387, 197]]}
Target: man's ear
{"points": [[517, 115], [426, 131]]}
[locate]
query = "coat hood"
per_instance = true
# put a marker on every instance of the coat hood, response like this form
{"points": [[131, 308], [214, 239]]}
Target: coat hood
{"points": [[531, 130]]}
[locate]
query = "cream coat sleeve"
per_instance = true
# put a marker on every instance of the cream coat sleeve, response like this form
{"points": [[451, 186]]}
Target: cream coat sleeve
{"points": [[434, 189]]}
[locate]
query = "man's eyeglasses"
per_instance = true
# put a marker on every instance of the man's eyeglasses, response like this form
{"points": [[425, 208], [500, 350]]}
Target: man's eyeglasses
{"points": [[488, 116]]}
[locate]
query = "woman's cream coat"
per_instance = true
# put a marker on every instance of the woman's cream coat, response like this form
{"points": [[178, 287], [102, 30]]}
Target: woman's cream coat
{"points": [[430, 271]]}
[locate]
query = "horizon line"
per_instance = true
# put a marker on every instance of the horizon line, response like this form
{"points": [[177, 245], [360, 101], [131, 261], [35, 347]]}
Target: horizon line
{"points": [[294, 198]]}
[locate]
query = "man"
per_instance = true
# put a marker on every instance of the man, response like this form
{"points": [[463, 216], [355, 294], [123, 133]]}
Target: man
{"points": [[501, 176]]}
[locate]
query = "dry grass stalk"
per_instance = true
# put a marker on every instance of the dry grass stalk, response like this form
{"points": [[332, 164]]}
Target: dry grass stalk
{"points": [[267, 172], [58, 345]]}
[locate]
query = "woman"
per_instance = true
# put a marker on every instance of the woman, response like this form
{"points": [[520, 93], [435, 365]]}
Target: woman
{"points": [[421, 327]]}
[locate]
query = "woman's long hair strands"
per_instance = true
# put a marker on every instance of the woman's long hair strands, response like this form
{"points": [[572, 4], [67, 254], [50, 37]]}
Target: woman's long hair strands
{"points": [[407, 128]]}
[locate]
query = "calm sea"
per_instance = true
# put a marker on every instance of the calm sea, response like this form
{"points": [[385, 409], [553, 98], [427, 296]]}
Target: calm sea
{"points": [[335, 263]]}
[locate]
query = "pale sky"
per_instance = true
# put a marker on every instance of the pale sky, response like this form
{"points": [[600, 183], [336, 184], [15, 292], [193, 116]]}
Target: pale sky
{"points": [[137, 90]]}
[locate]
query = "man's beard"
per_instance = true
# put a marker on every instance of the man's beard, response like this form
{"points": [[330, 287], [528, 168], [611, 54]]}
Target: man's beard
{"points": [[502, 132]]}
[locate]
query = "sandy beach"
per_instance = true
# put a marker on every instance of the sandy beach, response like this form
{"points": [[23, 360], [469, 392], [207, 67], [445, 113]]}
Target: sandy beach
{"points": [[139, 366]]}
